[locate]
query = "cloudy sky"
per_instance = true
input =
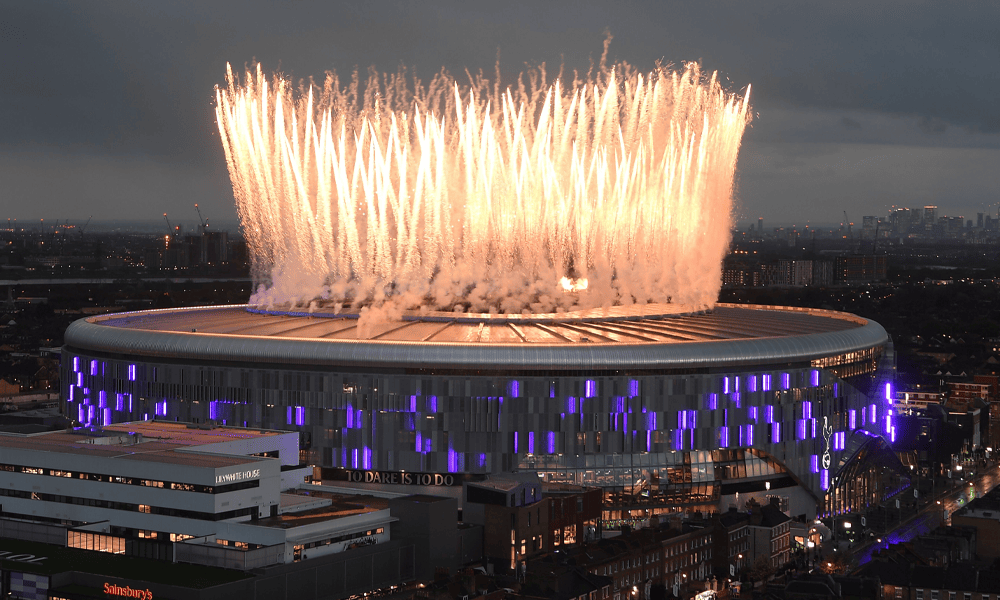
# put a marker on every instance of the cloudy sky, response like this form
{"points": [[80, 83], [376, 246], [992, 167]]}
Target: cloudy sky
{"points": [[106, 108]]}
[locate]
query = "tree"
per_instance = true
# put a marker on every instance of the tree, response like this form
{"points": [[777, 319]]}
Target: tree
{"points": [[762, 569], [834, 564]]}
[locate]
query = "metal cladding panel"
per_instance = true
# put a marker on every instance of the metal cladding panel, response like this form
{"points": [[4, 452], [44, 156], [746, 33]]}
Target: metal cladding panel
{"points": [[94, 336]]}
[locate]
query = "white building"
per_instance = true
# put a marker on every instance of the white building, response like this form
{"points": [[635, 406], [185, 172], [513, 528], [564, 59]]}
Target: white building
{"points": [[219, 496]]}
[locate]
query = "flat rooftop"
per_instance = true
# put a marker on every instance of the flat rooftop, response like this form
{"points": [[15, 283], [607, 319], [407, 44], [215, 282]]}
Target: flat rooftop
{"points": [[341, 505], [60, 559], [183, 434], [162, 442]]}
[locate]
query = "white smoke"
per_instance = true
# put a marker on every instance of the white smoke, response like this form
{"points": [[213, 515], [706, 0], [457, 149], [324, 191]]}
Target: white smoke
{"points": [[392, 195]]}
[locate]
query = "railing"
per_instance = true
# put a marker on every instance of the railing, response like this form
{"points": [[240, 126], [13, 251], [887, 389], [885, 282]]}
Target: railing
{"points": [[229, 558], [33, 532]]}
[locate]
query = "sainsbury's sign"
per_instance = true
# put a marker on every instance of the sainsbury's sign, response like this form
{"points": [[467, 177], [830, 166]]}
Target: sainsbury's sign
{"points": [[237, 476], [127, 592]]}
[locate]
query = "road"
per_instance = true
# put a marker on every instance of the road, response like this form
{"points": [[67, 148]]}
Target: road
{"points": [[936, 512]]}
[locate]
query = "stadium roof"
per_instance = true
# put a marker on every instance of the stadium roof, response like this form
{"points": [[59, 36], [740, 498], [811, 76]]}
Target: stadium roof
{"points": [[638, 337]]}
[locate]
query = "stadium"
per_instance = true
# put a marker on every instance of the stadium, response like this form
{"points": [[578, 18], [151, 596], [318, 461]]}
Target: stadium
{"points": [[664, 410]]}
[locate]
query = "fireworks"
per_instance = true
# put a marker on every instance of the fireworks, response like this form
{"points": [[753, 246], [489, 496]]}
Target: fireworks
{"points": [[613, 188]]}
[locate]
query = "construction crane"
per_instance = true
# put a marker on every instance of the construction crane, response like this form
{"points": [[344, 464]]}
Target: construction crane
{"points": [[171, 230], [204, 223], [878, 225], [84, 228], [847, 226]]}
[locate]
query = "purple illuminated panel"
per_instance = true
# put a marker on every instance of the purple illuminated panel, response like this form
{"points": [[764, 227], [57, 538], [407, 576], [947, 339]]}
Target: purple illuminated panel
{"points": [[824, 479], [807, 410], [814, 377], [813, 426], [289, 419], [481, 461], [752, 383], [571, 405], [300, 415], [590, 388], [786, 381], [725, 385], [550, 442], [678, 439], [713, 401], [775, 433], [419, 442], [801, 426], [432, 404], [852, 419], [131, 372], [888, 423], [515, 442], [873, 414], [766, 382], [76, 364], [749, 436], [769, 414], [814, 463], [633, 388], [752, 412], [723, 437], [93, 367], [515, 389], [888, 392]]}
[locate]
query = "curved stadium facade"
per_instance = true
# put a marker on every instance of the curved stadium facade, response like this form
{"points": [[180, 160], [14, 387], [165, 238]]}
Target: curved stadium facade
{"points": [[661, 410]]}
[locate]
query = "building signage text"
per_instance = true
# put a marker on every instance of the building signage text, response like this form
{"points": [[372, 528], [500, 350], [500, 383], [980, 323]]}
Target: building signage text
{"points": [[238, 476], [25, 558], [389, 477], [127, 592]]}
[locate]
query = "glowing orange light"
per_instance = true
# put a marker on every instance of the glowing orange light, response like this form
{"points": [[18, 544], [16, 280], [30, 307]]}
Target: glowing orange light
{"points": [[483, 198]]}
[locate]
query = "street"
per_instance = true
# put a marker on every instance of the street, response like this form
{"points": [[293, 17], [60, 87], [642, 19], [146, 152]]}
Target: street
{"points": [[934, 512]]}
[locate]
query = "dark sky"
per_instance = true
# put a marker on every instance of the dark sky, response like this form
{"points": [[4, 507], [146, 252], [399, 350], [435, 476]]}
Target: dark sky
{"points": [[106, 108]]}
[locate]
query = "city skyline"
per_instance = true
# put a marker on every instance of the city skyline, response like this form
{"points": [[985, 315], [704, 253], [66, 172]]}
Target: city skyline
{"points": [[108, 110]]}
